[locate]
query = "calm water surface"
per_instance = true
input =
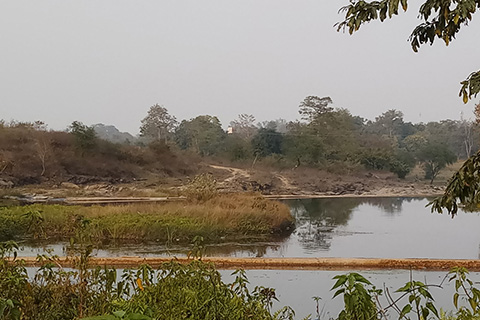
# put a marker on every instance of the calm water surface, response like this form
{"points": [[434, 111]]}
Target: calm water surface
{"points": [[342, 227], [380, 228], [297, 288]]}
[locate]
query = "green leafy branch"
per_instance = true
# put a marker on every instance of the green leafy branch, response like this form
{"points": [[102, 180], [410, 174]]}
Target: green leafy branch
{"points": [[359, 294], [420, 301], [463, 188], [470, 86], [359, 12], [464, 288]]}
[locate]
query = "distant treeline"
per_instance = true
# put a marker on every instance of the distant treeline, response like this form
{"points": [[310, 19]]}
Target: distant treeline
{"points": [[324, 138]]}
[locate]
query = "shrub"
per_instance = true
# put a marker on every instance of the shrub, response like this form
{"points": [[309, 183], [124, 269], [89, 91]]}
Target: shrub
{"points": [[202, 188]]}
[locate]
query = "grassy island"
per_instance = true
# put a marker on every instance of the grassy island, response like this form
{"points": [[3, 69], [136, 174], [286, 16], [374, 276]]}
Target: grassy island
{"points": [[222, 218]]}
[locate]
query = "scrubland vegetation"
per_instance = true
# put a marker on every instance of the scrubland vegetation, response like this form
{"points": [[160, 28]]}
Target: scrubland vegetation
{"points": [[29, 154]]}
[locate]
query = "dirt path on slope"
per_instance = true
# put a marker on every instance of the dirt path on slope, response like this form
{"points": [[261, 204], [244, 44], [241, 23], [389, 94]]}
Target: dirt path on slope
{"points": [[236, 172], [257, 181], [286, 183], [308, 182]]}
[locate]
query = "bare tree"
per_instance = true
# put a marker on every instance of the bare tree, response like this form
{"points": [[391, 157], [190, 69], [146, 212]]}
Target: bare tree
{"points": [[467, 127], [5, 161], [42, 152], [244, 126]]}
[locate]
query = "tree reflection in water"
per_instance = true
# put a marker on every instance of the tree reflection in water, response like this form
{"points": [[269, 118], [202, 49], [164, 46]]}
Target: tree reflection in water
{"points": [[391, 206], [318, 219]]}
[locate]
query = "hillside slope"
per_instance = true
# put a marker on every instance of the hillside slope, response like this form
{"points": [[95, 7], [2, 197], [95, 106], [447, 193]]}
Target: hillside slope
{"points": [[29, 155]]}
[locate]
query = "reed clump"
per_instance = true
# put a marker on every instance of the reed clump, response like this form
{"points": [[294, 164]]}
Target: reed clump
{"points": [[223, 217]]}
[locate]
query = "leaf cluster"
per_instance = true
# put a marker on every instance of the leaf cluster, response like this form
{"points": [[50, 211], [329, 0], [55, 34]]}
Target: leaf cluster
{"points": [[359, 12], [358, 295], [462, 189], [420, 301], [466, 293]]}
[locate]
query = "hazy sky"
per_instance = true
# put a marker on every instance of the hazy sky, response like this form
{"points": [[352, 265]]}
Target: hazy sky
{"points": [[109, 61]]}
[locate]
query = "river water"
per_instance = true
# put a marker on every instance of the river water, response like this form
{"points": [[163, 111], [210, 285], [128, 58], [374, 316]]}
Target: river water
{"points": [[296, 288], [340, 227]]}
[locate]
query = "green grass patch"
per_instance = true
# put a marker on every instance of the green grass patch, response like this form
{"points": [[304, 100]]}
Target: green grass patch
{"points": [[224, 217]]}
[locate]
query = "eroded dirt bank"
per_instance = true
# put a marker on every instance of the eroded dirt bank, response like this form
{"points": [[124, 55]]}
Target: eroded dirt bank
{"points": [[301, 182], [283, 263]]}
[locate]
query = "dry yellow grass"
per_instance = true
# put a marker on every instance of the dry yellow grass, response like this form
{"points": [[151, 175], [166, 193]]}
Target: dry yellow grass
{"points": [[232, 216]]}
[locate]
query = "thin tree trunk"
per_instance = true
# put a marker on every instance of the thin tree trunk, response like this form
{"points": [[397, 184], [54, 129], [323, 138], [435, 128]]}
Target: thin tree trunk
{"points": [[254, 160]]}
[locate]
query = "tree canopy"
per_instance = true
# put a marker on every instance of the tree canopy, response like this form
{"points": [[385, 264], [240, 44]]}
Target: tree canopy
{"points": [[435, 157], [158, 123], [313, 106], [202, 134], [85, 137], [440, 19]]}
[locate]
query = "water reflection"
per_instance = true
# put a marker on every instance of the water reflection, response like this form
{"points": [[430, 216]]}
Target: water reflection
{"points": [[154, 249], [318, 219], [380, 228], [388, 205]]}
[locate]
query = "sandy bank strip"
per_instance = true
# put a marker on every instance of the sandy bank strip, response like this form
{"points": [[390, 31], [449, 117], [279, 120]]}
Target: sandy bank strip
{"points": [[350, 195], [113, 200], [86, 201], [283, 263], [118, 200]]}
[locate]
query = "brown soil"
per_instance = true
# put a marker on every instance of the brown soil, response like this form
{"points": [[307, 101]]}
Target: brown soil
{"points": [[308, 182], [298, 183]]}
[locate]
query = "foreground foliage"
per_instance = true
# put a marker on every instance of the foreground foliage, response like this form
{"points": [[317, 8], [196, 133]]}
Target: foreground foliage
{"points": [[196, 291], [362, 300], [462, 189], [175, 291]]}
